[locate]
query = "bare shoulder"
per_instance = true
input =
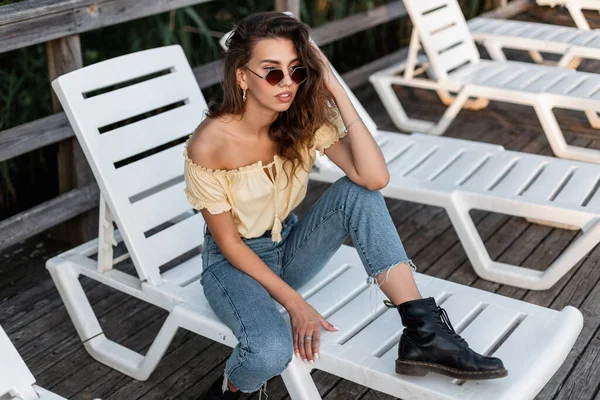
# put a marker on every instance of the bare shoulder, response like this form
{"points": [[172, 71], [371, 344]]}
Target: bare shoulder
{"points": [[207, 143]]}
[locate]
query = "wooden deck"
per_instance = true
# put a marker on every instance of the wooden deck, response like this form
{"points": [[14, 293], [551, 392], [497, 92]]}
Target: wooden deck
{"points": [[35, 319]]}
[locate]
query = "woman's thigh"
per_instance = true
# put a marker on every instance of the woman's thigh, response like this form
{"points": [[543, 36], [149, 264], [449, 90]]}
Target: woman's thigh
{"points": [[242, 303]]}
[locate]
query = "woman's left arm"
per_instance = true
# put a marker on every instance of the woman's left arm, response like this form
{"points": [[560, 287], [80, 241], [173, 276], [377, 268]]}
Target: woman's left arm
{"points": [[358, 155]]}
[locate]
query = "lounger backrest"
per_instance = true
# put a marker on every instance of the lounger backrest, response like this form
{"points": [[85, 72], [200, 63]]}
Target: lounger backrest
{"points": [[131, 115], [15, 378], [443, 33]]}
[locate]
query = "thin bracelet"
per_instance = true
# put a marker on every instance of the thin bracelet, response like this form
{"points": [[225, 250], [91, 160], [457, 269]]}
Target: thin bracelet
{"points": [[350, 124]]}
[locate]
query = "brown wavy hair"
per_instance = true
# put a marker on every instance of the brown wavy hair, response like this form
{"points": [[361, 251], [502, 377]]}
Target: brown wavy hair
{"points": [[294, 129]]}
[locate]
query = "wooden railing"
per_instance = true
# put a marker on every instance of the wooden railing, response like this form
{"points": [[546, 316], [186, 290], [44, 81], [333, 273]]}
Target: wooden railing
{"points": [[58, 23]]}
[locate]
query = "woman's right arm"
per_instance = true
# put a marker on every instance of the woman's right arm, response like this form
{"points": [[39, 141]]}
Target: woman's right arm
{"points": [[304, 318], [225, 234]]}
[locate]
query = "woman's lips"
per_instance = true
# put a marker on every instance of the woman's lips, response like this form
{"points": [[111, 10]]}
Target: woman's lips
{"points": [[284, 97]]}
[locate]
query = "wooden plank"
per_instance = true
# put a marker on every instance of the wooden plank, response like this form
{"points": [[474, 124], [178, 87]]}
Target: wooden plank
{"points": [[28, 9], [64, 55], [288, 5], [360, 75], [48, 214], [34, 135], [37, 22], [510, 10], [335, 30]]}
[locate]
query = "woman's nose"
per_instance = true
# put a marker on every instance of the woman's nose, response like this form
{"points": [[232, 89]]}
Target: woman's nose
{"points": [[287, 80]]}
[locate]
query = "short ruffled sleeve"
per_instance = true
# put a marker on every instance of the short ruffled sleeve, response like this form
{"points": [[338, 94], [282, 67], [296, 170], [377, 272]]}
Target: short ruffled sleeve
{"points": [[204, 189], [326, 136]]}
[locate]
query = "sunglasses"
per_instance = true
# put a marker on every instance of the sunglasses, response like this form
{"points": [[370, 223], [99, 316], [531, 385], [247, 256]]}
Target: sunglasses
{"points": [[276, 75]]}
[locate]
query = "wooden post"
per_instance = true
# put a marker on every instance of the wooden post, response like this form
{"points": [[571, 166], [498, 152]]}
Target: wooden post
{"points": [[288, 5], [64, 55]]}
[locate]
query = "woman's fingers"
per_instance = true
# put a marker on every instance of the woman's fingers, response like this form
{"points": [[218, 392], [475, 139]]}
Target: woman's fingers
{"points": [[300, 344], [325, 324], [308, 339], [316, 342]]}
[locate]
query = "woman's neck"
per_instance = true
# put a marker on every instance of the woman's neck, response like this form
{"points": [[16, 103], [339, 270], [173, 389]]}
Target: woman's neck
{"points": [[256, 120]]}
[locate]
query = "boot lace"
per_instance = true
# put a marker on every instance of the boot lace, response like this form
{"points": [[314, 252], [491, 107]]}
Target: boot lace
{"points": [[443, 317]]}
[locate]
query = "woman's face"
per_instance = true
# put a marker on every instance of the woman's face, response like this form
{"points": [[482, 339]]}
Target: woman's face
{"points": [[269, 54]]}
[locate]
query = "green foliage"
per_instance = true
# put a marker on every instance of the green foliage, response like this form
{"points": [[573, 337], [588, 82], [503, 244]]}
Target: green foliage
{"points": [[25, 90]]}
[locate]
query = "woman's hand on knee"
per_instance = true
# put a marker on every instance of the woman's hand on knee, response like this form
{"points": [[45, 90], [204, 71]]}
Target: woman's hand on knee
{"points": [[306, 330]]}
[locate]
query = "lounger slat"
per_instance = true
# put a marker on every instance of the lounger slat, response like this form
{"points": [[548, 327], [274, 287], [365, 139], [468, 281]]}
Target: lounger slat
{"points": [[520, 174], [447, 37], [172, 242], [547, 182], [456, 56], [147, 134], [436, 20], [567, 84], [496, 320], [579, 186], [119, 105], [427, 5], [377, 335], [352, 282], [491, 171], [154, 210], [506, 76], [184, 273], [437, 163], [411, 158], [464, 166], [151, 171]]}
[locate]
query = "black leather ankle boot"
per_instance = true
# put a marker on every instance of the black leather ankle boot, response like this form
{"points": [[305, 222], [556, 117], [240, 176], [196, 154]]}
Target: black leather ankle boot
{"points": [[430, 344], [215, 392]]}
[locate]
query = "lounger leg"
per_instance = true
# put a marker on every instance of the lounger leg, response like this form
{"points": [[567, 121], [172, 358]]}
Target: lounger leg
{"points": [[394, 108], [557, 139], [514, 275], [114, 355], [578, 17], [472, 104], [450, 113], [593, 119], [569, 60], [299, 382], [494, 50]]}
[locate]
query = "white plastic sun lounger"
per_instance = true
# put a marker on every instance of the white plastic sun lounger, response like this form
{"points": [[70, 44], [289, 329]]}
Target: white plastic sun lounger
{"points": [[144, 196], [16, 381], [572, 44], [575, 8], [440, 27]]}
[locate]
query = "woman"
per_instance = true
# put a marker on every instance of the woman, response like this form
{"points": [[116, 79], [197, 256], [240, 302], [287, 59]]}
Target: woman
{"points": [[247, 167]]}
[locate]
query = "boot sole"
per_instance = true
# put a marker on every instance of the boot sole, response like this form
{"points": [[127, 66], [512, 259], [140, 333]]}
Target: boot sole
{"points": [[417, 368]]}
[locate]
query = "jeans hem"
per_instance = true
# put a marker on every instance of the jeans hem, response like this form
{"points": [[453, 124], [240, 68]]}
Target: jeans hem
{"points": [[372, 280]]}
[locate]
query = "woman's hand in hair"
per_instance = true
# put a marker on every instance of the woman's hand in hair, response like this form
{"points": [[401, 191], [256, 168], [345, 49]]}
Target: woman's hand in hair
{"points": [[307, 322], [331, 82]]}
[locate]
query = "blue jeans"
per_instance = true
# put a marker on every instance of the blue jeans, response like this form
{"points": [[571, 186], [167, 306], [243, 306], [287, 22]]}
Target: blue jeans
{"points": [[265, 344]]}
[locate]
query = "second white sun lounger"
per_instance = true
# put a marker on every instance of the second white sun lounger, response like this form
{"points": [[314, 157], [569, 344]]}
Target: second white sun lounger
{"points": [[440, 27], [143, 193]]}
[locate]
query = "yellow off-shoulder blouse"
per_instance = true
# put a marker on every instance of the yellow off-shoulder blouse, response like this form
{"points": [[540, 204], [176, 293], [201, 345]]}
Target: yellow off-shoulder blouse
{"points": [[257, 202]]}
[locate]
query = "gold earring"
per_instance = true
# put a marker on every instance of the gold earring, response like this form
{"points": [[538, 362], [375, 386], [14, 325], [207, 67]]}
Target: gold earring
{"points": [[244, 95]]}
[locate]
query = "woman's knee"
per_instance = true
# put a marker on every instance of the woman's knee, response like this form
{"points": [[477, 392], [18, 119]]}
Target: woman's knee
{"points": [[355, 192], [272, 355]]}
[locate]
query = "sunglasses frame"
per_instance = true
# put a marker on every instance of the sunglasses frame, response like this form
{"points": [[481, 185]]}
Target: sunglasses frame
{"points": [[279, 69]]}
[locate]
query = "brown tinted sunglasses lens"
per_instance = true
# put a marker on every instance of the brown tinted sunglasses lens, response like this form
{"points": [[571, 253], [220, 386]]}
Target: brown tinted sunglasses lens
{"points": [[299, 75], [274, 77]]}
